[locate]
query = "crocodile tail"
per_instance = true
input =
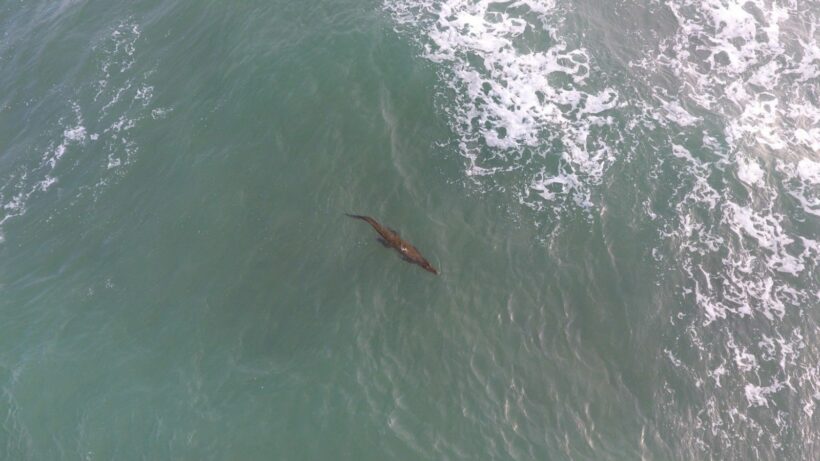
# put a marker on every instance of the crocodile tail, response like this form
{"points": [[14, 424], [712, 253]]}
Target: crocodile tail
{"points": [[366, 219]]}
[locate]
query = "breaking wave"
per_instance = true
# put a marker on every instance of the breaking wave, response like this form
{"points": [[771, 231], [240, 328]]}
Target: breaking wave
{"points": [[527, 112], [730, 97], [745, 225]]}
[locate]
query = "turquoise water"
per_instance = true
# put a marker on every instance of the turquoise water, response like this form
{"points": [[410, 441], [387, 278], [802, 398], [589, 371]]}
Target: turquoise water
{"points": [[623, 200]]}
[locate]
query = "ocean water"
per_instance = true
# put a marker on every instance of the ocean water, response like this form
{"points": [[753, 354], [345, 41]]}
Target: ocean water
{"points": [[622, 197]]}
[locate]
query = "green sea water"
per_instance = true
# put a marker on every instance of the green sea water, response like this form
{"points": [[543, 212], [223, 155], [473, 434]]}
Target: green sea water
{"points": [[622, 199]]}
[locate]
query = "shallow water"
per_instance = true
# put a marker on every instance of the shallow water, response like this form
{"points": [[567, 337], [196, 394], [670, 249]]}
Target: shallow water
{"points": [[623, 200]]}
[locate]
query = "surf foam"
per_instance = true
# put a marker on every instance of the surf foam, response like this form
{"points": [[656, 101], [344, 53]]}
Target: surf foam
{"points": [[109, 102], [750, 265], [521, 94]]}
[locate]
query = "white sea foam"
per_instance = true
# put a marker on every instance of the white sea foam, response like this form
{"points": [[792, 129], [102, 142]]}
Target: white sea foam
{"points": [[747, 263], [749, 171], [676, 113], [160, 113], [750, 65], [76, 134], [41, 178], [809, 171], [514, 95], [757, 396], [119, 115], [112, 112], [802, 181]]}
